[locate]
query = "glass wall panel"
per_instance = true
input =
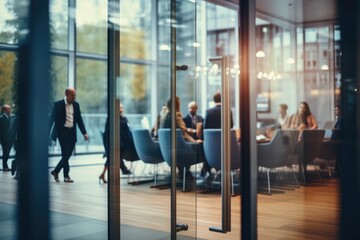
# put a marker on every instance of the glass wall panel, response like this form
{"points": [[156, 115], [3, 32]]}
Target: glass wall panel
{"points": [[136, 29], [145, 196], [135, 85], [8, 187], [318, 81], [8, 21], [7, 67], [296, 168], [91, 26], [91, 85], [59, 75], [59, 24], [337, 63], [217, 33]]}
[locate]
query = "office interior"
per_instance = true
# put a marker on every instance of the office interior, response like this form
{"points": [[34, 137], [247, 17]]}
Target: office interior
{"points": [[141, 53]]}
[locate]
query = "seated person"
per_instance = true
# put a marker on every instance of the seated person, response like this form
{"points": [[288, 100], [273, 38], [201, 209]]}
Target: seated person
{"points": [[339, 118], [162, 114], [303, 119], [282, 121], [192, 121], [166, 123]]}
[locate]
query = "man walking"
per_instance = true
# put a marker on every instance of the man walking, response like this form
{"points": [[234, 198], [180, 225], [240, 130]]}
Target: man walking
{"points": [[7, 134], [65, 116]]}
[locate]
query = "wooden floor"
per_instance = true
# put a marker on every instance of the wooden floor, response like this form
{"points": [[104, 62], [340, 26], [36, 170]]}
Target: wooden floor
{"points": [[307, 212]]}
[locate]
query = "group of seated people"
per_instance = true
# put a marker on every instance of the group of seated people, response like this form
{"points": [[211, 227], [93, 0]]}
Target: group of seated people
{"points": [[192, 126], [302, 119]]}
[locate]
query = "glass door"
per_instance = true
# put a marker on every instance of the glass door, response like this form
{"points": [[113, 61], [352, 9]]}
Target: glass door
{"points": [[175, 56], [217, 74], [145, 182], [158, 193], [164, 52]]}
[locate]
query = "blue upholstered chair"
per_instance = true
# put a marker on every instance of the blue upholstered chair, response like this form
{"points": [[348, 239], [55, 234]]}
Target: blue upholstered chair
{"points": [[276, 153], [212, 151], [187, 152], [147, 149], [310, 147], [330, 149]]}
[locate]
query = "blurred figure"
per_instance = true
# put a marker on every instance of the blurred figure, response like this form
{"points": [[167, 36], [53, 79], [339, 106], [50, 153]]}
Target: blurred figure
{"points": [[127, 147], [160, 117], [7, 134], [282, 121], [339, 117], [166, 123], [193, 121], [65, 116], [213, 115], [303, 119]]}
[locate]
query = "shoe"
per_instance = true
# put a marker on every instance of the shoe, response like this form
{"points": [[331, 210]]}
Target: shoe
{"points": [[56, 176], [102, 178], [68, 180], [126, 172], [6, 169]]}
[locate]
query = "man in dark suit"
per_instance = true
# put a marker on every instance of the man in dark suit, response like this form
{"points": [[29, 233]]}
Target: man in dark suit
{"points": [[7, 134], [192, 121], [339, 118], [213, 115], [65, 116]]}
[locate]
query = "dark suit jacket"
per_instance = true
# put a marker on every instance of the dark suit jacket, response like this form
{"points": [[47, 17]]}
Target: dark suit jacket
{"points": [[339, 122], [58, 118], [188, 120], [189, 123], [213, 118], [7, 128], [127, 145]]}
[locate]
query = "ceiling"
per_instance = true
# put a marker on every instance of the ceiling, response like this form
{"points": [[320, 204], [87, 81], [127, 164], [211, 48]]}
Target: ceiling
{"points": [[299, 11]]}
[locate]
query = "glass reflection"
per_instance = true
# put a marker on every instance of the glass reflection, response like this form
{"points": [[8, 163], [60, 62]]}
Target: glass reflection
{"points": [[91, 93]]}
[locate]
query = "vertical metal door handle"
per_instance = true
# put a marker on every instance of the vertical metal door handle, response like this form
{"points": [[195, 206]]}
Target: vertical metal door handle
{"points": [[225, 147]]}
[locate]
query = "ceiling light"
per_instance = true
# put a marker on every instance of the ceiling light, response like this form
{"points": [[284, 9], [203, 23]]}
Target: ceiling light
{"points": [[260, 54]]}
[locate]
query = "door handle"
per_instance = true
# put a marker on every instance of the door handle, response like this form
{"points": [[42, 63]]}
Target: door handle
{"points": [[183, 67], [181, 227], [225, 147]]}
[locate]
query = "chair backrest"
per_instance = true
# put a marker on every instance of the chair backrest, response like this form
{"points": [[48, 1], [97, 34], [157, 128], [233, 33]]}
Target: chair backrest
{"points": [[187, 152], [212, 149], [147, 149], [312, 141], [276, 152], [290, 139], [330, 147]]}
